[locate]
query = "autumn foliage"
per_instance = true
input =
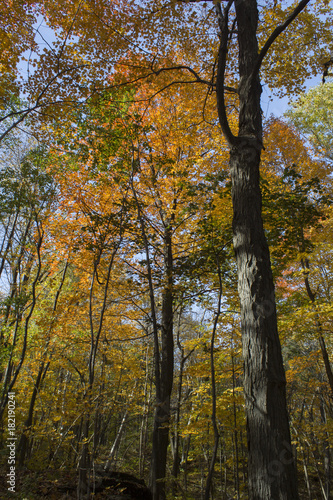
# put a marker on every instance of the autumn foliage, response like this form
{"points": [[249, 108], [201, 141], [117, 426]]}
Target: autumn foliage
{"points": [[121, 322]]}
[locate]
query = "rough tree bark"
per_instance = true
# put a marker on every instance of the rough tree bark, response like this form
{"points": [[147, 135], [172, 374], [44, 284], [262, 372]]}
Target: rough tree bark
{"points": [[271, 468]]}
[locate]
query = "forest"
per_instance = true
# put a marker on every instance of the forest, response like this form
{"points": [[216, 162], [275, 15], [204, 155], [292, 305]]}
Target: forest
{"points": [[166, 249]]}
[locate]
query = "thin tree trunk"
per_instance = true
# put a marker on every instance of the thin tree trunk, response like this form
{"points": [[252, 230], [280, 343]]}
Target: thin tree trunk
{"points": [[5, 252], [116, 442], [306, 475], [162, 412], [158, 487], [186, 450], [213, 384], [83, 485], [85, 462], [311, 295], [327, 451], [11, 380], [145, 415], [176, 437], [163, 356], [15, 288], [24, 441]]}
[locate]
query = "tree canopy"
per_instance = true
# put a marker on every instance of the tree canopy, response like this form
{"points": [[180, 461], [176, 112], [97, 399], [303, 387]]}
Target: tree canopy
{"points": [[166, 249]]}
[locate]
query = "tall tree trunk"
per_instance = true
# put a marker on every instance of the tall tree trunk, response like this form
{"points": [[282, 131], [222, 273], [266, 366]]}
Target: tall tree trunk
{"points": [[213, 389], [145, 416], [23, 446], [176, 436], [114, 448], [157, 471], [327, 450], [271, 468], [84, 465], [163, 395]]}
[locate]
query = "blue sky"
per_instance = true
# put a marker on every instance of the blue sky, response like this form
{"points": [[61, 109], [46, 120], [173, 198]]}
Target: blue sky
{"points": [[278, 106]]}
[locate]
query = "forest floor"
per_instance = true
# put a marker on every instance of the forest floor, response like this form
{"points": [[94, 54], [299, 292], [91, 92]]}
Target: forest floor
{"points": [[61, 485], [32, 485], [58, 484]]}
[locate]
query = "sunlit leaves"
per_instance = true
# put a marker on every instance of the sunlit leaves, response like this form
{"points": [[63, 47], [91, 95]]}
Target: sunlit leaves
{"points": [[313, 115]]}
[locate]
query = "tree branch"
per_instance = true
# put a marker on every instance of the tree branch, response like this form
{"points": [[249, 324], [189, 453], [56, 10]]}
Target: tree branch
{"points": [[24, 113], [221, 65], [278, 30]]}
